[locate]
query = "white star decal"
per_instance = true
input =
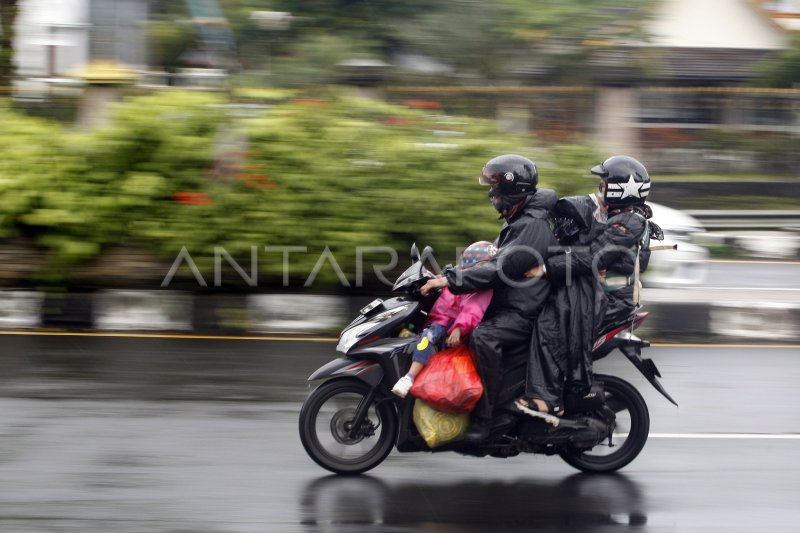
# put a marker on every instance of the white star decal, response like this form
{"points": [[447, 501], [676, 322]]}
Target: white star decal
{"points": [[631, 188]]}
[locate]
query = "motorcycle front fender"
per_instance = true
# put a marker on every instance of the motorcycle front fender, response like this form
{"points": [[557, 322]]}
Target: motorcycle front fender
{"points": [[647, 367], [368, 371]]}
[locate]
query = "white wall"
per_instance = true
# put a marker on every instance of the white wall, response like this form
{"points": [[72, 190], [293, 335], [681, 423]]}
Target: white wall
{"points": [[715, 24], [63, 23], [118, 28]]}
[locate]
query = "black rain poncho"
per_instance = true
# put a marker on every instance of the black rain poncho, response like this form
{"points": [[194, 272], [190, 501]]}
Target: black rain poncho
{"points": [[523, 243], [580, 306]]}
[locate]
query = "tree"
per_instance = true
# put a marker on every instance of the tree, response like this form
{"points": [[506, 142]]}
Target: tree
{"points": [[8, 19], [551, 39], [783, 70], [488, 40], [505, 40]]}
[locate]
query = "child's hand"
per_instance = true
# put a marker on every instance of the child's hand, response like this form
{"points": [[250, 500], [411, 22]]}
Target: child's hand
{"points": [[535, 272], [454, 339]]}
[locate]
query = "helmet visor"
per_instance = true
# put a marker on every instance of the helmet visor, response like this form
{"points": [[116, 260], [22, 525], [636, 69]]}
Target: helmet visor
{"points": [[600, 170], [487, 179]]}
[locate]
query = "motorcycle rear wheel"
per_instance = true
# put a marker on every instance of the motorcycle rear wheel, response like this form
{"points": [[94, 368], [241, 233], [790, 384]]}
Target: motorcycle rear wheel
{"points": [[325, 422], [633, 425]]}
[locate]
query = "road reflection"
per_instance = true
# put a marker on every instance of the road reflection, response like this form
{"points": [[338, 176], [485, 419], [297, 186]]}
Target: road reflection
{"points": [[580, 502]]}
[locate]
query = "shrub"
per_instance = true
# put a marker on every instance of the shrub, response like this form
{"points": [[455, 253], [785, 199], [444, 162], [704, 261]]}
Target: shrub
{"points": [[182, 169]]}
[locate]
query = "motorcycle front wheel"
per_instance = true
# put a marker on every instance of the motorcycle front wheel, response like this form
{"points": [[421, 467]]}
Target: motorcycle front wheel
{"points": [[629, 435], [326, 428]]}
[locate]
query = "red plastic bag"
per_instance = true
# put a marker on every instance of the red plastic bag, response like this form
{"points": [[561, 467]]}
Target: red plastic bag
{"points": [[449, 382]]}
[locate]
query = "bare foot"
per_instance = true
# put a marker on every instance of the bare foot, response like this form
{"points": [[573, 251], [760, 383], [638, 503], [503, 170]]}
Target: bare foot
{"points": [[541, 406]]}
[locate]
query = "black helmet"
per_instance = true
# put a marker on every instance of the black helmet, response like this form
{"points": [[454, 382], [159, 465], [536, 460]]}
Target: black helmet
{"points": [[513, 174], [627, 181]]}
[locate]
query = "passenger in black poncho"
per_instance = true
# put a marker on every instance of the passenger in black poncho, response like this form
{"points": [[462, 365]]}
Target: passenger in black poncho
{"points": [[606, 236]]}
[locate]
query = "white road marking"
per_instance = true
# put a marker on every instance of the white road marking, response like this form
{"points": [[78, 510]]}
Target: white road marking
{"points": [[718, 288], [754, 436], [750, 262]]}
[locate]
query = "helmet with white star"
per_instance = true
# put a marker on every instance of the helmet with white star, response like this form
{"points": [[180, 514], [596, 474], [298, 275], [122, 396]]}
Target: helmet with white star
{"points": [[626, 181]]}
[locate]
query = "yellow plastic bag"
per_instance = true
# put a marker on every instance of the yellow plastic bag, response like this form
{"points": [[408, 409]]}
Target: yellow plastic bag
{"points": [[437, 427]]}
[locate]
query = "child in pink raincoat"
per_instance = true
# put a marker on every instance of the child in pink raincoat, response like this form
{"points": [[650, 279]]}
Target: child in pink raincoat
{"points": [[452, 315]]}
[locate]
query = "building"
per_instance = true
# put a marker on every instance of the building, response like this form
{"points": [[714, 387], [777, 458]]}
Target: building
{"points": [[695, 90], [58, 37]]}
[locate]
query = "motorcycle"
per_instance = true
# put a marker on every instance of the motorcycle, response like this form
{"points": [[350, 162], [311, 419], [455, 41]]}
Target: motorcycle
{"points": [[351, 421]]}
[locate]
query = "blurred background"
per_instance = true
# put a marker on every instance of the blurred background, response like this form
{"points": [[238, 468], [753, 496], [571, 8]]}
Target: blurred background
{"points": [[195, 196], [155, 155]]}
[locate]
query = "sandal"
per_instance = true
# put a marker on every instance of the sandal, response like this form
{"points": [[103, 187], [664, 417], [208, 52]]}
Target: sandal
{"points": [[529, 407], [530, 403]]}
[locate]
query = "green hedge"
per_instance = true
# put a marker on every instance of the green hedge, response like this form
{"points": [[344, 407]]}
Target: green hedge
{"points": [[187, 169]]}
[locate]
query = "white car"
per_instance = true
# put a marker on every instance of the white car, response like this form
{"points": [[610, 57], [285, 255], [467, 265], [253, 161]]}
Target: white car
{"points": [[684, 266]]}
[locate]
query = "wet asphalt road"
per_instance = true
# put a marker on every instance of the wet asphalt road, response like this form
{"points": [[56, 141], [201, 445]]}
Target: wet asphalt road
{"points": [[193, 435]]}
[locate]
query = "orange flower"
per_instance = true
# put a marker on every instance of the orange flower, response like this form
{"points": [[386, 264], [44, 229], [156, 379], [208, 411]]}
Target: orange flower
{"points": [[423, 104], [192, 198]]}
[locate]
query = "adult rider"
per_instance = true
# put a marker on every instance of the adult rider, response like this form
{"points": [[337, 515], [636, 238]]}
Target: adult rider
{"points": [[607, 238], [524, 243]]}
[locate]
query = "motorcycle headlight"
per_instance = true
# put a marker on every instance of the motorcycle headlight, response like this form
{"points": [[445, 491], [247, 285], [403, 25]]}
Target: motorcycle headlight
{"points": [[350, 336]]}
